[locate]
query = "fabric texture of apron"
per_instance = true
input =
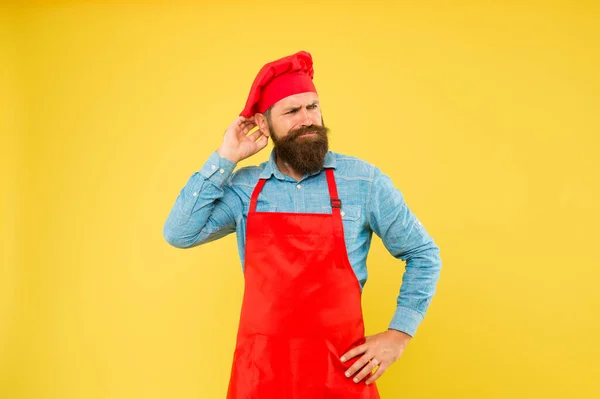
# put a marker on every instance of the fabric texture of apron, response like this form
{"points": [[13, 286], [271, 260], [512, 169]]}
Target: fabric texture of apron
{"points": [[301, 309]]}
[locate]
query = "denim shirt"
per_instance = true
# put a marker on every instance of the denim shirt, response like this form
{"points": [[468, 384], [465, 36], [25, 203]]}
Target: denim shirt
{"points": [[215, 202]]}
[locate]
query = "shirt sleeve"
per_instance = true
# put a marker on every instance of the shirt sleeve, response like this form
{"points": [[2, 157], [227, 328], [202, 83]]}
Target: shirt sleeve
{"points": [[206, 208], [405, 238]]}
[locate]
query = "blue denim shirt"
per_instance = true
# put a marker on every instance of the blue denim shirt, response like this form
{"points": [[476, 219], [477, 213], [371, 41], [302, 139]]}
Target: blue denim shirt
{"points": [[215, 201]]}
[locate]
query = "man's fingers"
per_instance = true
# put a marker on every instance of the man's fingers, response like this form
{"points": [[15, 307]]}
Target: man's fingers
{"points": [[358, 365], [236, 126], [245, 127], [238, 121], [255, 135], [376, 375], [368, 369], [235, 145], [354, 352], [262, 142]]}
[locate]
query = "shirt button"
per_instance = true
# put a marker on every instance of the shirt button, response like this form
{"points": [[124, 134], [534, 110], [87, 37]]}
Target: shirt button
{"points": [[195, 193], [222, 171], [213, 167], [299, 186], [342, 213]]}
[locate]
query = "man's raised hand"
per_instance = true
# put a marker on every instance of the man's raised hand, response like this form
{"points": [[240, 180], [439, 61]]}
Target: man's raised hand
{"points": [[238, 144]]}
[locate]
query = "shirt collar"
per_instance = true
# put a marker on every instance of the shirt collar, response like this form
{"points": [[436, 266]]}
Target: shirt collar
{"points": [[271, 168]]}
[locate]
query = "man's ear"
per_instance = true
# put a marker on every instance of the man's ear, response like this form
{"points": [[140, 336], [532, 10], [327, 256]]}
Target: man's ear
{"points": [[261, 122]]}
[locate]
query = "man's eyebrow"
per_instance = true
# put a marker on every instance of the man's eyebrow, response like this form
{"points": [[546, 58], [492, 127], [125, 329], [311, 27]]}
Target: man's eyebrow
{"points": [[295, 108]]}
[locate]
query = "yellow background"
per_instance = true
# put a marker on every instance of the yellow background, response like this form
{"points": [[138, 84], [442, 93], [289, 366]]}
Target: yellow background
{"points": [[485, 115]]}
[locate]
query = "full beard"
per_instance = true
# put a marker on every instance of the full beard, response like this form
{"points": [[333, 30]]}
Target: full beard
{"points": [[305, 155]]}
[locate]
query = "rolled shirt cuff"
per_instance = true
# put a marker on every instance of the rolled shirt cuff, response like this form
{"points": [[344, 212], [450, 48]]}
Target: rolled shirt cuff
{"points": [[406, 320], [217, 170]]}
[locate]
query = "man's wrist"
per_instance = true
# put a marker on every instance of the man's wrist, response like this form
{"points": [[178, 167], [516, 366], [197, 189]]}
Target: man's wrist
{"points": [[400, 334], [224, 154]]}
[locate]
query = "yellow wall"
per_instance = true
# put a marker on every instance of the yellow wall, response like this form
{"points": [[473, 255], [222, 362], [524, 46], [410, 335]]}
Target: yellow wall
{"points": [[486, 116], [10, 157]]}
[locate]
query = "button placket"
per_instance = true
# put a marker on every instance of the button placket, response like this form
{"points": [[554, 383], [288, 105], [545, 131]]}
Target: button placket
{"points": [[299, 201]]}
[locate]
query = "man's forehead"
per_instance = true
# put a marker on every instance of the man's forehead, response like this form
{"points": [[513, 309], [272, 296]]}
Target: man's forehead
{"points": [[297, 100]]}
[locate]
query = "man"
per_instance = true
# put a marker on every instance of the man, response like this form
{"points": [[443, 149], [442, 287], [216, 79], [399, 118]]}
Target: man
{"points": [[304, 222]]}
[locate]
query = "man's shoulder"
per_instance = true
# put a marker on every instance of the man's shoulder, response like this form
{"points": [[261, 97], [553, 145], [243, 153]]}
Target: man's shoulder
{"points": [[247, 175], [353, 167]]}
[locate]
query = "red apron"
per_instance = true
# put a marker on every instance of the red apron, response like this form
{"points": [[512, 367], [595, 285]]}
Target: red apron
{"points": [[301, 310]]}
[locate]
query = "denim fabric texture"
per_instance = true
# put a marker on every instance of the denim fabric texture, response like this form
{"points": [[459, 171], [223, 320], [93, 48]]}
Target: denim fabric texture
{"points": [[215, 202]]}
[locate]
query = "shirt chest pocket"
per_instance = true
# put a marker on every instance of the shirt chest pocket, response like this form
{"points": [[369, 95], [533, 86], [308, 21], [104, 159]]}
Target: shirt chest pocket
{"points": [[350, 219]]}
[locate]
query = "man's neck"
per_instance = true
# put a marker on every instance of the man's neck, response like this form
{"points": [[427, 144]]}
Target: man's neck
{"points": [[288, 170]]}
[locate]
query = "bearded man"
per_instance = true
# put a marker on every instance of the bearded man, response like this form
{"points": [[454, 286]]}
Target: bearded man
{"points": [[304, 222]]}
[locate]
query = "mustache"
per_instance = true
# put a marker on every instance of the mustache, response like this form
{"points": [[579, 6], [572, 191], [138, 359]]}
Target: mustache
{"points": [[318, 130]]}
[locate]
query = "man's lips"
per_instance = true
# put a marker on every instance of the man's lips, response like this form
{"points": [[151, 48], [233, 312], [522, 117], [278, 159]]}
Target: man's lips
{"points": [[308, 134]]}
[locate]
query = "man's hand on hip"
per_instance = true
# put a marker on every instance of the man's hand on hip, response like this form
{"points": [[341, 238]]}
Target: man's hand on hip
{"points": [[380, 350]]}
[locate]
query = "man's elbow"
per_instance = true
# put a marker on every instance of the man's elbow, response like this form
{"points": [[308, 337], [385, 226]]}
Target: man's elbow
{"points": [[177, 240]]}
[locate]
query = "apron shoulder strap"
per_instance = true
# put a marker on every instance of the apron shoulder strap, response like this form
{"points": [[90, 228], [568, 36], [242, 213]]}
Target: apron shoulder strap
{"points": [[257, 190], [336, 203]]}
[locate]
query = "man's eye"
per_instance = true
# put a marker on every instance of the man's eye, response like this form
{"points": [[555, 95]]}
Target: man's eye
{"points": [[293, 111]]}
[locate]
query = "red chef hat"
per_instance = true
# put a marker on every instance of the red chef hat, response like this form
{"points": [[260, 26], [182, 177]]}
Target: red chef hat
{"points": [[278, 79]]}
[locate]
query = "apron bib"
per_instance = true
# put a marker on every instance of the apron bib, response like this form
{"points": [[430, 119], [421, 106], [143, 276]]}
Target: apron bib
{"points": [[301, 309]]}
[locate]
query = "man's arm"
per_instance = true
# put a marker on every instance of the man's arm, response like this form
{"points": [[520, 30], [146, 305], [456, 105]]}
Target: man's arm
{"points": [[405, 238], [207, 208]]}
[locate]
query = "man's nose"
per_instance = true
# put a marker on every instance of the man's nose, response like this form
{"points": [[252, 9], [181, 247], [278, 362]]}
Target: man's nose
{"points": [[306, 118]]}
